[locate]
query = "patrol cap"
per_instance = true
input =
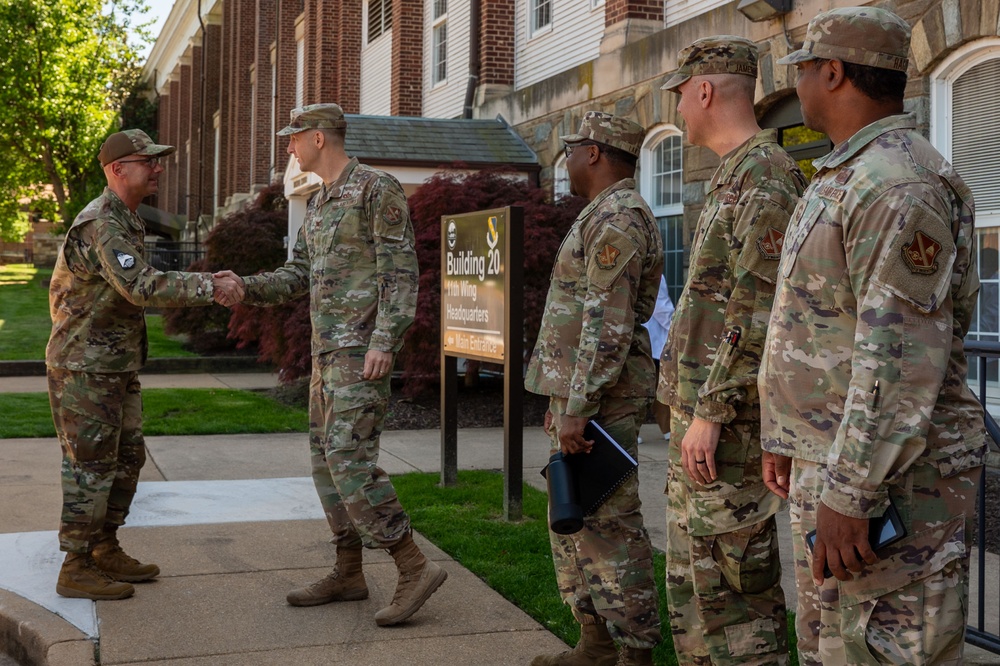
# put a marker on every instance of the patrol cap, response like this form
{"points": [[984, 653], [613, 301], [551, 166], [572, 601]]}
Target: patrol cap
{"points": [[722, 54], [315, 116], [610, 130], [861, 35], [130, 142]]}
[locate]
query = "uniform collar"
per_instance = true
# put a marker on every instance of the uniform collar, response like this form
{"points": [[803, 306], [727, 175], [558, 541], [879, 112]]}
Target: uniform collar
{"points": [[848, 149], [335, 190], [123, 211], [623, 184], [731, 160]]}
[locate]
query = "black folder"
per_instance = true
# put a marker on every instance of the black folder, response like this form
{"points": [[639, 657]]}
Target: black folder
{"points": [[598, 474]]}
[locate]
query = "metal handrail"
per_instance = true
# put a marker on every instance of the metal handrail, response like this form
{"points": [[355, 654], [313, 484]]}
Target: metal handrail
{"points": [[977, 635]]}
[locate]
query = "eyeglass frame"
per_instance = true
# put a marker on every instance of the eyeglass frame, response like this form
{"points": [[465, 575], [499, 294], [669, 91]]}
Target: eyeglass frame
{"points": [[152, 161], [570, 147]]}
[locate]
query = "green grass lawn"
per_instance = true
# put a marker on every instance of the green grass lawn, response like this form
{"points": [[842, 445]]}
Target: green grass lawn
{"points": [[25, 323], [168, 412], [466, 521]]}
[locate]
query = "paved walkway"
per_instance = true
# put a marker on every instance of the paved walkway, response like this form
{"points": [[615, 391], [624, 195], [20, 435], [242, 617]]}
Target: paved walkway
{"points": [[233, 525]]}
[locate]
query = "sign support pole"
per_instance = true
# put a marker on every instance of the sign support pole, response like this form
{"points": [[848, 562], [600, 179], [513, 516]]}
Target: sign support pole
{"points": [[513, 367]]}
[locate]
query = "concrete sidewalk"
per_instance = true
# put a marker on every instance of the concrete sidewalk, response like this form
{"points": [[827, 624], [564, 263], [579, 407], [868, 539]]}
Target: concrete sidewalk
{"points": [[220, 380], [234, 524]]}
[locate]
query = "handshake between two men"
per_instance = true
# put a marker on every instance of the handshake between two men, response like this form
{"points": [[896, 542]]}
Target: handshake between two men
{"points": [[228, 288]]}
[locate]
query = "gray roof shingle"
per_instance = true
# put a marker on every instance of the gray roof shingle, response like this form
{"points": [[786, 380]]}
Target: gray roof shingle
{"points": [[437, 142]]}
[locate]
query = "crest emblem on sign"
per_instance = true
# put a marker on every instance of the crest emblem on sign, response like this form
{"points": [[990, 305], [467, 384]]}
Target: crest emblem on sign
{"points": [[607, 257], [393, 215], [769, 245], [921, 253], [452, 234], [492, 236], [126, 260]]}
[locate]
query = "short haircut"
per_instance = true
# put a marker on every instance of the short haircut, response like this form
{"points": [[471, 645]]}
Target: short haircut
{"points": [[733, 85], [618, 157], [876, 83], [338, 134]]}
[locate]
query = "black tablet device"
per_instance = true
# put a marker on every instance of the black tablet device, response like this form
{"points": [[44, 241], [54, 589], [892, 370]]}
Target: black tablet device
{"points": [[882, 531]]}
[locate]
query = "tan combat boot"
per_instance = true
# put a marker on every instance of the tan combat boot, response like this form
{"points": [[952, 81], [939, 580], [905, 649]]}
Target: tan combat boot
{"points": [[345, 583], [630, 656], [79, 578], [596, 648], [418, 579], [112, 560]]}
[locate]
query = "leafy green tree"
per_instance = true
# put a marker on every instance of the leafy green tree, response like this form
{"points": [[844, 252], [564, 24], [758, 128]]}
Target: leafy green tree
{"points": [[66, 67]]}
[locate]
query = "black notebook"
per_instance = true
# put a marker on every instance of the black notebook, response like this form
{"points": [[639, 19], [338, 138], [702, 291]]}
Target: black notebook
{"points": [[598, 474]]}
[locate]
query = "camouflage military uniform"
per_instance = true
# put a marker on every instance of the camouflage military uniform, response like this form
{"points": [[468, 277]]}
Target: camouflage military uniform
{"points": [[593, 359], [863, 384], [723, 572], [99, 290], [355, 258]]}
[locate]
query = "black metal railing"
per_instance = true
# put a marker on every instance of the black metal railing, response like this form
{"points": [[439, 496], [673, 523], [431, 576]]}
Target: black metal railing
{"points": [[173, 255], [977, 634]]}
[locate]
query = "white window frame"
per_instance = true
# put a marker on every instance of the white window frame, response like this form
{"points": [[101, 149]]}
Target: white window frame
{"points": [[536, 30], [594, 4], [439, 25], [654, 138], [300, 63], [560, 177], [383, 28], [674, 254], [942, 81]]}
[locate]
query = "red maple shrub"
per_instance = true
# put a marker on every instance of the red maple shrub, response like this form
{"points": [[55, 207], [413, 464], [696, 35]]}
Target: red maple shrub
{"points": [[244, 242], [545, 225]]}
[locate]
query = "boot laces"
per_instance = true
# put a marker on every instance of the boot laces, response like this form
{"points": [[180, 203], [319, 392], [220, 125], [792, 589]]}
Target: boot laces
{"points": [[90, 566], [116, 553], [403, 585], [325, 580]]}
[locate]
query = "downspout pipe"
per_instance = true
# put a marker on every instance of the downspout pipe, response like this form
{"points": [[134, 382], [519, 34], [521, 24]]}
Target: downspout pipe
{"points": [[475, 17]]}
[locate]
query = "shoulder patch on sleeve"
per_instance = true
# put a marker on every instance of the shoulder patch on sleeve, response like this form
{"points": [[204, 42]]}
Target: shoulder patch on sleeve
{"points": [[762, 247], [121, 258], [126, 260], [391, 215], [609, 256], [918, 264]]}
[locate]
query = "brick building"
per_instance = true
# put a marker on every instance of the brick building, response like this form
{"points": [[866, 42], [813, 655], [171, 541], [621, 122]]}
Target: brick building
{"points": [[226, 78]]}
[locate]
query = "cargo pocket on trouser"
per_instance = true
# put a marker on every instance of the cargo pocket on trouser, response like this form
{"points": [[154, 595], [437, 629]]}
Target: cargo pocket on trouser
{"points": [[909, 608], [753, 612], [352, 455], [616, 558], [87, 412]]}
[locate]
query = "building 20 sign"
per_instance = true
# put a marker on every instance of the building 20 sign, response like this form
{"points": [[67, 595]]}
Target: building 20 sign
{"points": [[472, 284], [482, 318]]}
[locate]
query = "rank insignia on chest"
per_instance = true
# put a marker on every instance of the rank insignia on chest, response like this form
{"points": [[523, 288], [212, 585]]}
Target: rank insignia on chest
{"points": [[769, 245], [921, 253], [730, 198], [126, 260], [393, 215], [844, 176], [607, 257]]}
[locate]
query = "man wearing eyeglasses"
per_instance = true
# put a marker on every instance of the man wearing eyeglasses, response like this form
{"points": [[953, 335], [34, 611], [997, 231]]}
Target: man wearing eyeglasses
{"points": [[100, 287], [593, 360]]}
